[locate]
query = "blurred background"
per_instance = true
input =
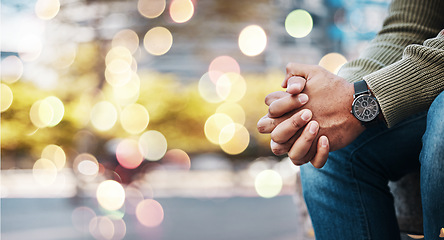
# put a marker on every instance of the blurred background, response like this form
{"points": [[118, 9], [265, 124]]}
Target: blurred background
{"points": [[137, 119]]}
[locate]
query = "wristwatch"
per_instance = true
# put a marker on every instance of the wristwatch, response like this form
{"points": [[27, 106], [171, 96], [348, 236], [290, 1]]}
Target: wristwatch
{"points": [[365, 107]]}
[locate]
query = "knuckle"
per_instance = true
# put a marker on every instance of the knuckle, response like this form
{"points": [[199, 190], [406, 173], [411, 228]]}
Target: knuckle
{"points": [[308, 139], [293, 157], [277, 138], [289, 65], [295, 123], [272, 112]]}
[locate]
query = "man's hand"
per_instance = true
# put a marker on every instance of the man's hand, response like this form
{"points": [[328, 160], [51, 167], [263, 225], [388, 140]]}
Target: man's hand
{"points": [[330, 103]]}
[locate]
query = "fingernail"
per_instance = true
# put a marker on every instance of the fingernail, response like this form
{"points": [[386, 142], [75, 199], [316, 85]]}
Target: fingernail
{"points": [[324, 141], [313, 128], [303, 98], [306, 115]]}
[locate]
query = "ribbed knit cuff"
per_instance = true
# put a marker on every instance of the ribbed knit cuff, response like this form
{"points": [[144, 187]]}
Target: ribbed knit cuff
{"points": [[409, 85]]}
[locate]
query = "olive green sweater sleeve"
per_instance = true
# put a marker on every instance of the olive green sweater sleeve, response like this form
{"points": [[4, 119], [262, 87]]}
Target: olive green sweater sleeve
{"points": [[409, 86], [404, 72]]}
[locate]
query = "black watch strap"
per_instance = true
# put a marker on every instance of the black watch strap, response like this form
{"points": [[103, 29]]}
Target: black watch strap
{"points": [[360, 87]]}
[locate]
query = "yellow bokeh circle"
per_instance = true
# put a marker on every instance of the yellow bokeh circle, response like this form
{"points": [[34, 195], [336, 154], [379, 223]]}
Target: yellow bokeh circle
{"points": [[158, 41], [234, 139], [252, 40], [47, 9], [126, 38], [44, 172], [153, 145], [298, 23], [110, 195], [233, 110], [55, 154], [181, 10], [332, 62], [103, 116], [214, 125], [134, 118], [151, 8], [268, 183], [41, 114], [6, 98]]}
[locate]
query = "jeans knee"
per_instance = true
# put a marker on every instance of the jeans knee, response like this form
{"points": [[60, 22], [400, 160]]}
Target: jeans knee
{"points": [[435, 120], [314, 181], [433, 140], [308, 181]]}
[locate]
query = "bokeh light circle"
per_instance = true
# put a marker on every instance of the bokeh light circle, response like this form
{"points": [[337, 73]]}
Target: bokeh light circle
{"points": [[133, 197], [151, 8], [47, 9], [128, 154], [129, 92], [118, 52], [30, 47], [58, 110], [207, 89], [41, 113], [153, 145], [298, 23], [181, 10], [103, 116], [150, 213], [6, 98], [234, 138], [101, 227], [252, 40], [66, 55], [11, 70], [231, 87], [126, 38], [110, 195], [176, 159], [44, 172], [55, 154], [86, 165], [268, 183], [158, 41], [80, 217], [214, 125], [221, 65], [134, 118], [118, 72], [332, 62], [233, 110]]}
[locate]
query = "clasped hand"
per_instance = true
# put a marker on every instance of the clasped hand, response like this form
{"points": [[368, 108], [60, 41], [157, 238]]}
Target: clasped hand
{"points": [[312, 117]]}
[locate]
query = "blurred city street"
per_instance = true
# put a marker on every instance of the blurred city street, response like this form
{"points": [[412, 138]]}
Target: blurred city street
{"points": [[185, 218], [225, 205]]}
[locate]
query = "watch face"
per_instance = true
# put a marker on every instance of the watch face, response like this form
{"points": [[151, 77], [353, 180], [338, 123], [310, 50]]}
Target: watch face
{"points": [[365, 108]]}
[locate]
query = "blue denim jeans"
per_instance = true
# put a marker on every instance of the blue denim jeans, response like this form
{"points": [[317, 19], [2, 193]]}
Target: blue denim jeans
{"points": [[349, 197]]}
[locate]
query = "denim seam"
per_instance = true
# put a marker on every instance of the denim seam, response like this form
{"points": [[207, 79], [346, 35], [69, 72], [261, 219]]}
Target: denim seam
{"points": [[364, 223]]}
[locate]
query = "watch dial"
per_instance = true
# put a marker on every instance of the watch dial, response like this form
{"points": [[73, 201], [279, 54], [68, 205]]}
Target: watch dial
{"points": [[365, 108]]}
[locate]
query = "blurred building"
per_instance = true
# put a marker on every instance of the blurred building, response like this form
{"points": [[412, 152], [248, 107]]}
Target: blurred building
{"points": [[338, 26]]}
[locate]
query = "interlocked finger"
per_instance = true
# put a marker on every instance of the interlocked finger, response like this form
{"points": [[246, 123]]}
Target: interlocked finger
{"points": [[288, 128], [299, 152], [287, 104]]}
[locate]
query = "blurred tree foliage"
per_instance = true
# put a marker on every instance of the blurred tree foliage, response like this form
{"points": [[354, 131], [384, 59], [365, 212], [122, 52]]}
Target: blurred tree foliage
{"points": [[176, 109]]}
